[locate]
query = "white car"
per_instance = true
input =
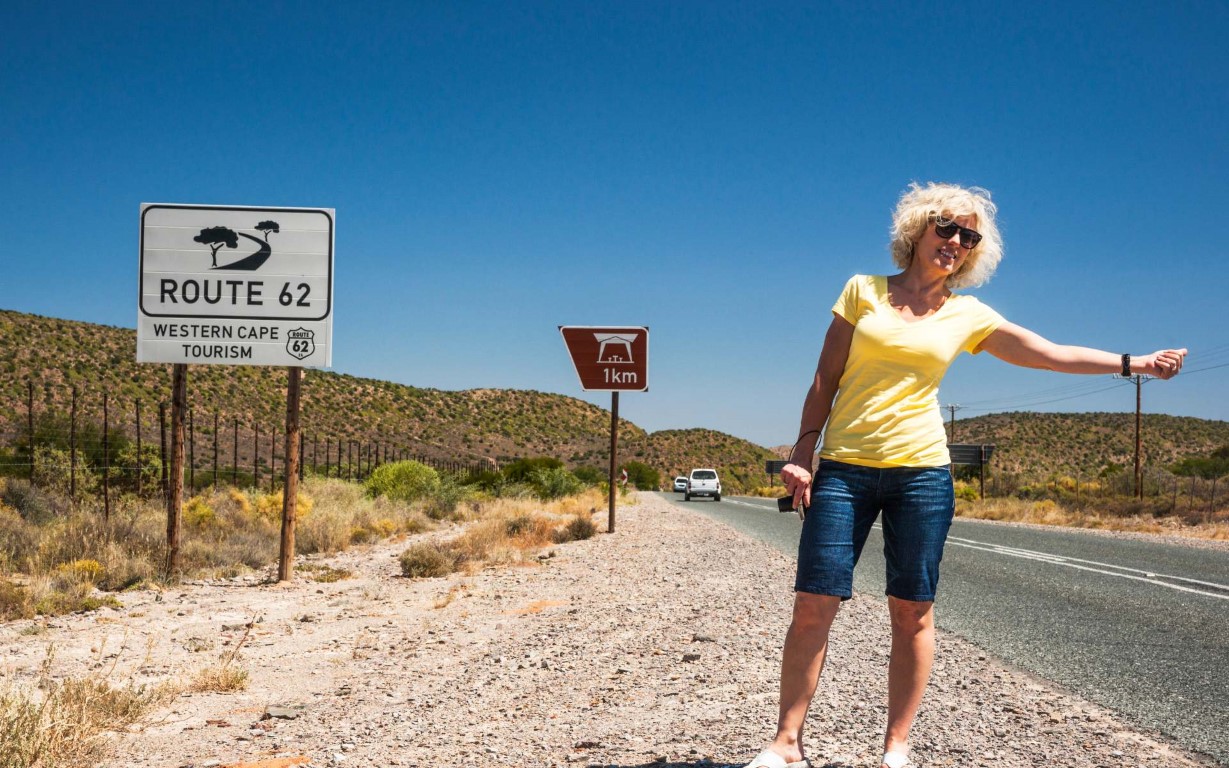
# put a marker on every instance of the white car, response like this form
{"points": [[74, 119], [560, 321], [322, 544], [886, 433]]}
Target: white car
{"points": [[703, 482], [680, 484]]}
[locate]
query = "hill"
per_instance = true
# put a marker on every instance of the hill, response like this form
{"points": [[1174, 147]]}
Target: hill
{"points": [[478, 425], [470, 426], [1041, 445]]}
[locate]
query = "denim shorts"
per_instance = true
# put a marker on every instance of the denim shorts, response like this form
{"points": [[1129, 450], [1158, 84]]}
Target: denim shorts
{"points": [[917, 505]]}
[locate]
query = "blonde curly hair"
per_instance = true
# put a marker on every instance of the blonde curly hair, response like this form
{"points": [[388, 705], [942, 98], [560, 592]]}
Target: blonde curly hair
{"points": [[913, 214]]}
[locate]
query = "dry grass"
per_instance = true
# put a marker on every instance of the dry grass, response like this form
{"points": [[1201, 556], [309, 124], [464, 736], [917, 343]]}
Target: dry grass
{"points": [[218, 678], [509, 531], [66, 723], [225, 676], [1047, 512]]}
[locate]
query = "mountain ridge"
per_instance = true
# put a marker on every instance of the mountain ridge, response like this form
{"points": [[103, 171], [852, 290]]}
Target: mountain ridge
{"points": [[493, 424]]}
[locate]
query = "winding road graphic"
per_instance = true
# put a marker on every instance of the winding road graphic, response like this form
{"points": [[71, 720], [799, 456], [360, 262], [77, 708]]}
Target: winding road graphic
{"points": [[218, 237], [253, 261]]}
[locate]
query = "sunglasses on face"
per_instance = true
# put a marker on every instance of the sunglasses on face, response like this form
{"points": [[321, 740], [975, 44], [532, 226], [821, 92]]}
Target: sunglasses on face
{"points": [[945, 228]]}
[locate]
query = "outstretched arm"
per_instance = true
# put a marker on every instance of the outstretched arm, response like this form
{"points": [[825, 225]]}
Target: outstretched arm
{"points": [[1020, 346], [797, 474]]}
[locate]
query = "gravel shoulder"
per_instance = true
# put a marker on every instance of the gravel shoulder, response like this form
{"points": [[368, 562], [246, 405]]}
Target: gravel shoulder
{"points": [[656, 645]]}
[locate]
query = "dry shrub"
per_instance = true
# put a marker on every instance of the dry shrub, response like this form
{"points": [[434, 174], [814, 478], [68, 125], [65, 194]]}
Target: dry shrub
{"points": [[507, 531], [1124, 515], [77, 598], [584, 502], [327, 530], [219, 678], [18, 540], [16, 602], [78, 572], [324, 573], [578, 528], [428, 559], [66, 724], [344, 514]]}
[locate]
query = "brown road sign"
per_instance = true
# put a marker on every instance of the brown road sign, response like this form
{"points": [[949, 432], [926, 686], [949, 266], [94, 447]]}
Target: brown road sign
{"points": [[609, 359]]}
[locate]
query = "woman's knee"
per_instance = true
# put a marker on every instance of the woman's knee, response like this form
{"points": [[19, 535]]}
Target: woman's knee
{"points": [[815, 610], [911, 616]]}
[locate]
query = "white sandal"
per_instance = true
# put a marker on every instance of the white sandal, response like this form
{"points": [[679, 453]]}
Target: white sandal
{"points": [[895, 759], [770, 759]]}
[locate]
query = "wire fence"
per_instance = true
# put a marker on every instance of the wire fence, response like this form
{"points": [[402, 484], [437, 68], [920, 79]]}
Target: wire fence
{"points": [[83, 441]]}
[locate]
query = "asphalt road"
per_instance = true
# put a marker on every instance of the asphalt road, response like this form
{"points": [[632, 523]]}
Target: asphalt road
{"points": [[1141, 627]]}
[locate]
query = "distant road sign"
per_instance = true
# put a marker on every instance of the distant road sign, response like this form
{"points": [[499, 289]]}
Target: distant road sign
{"points": [[975, 455], [774, 466], [235, 285], [609, 359]]}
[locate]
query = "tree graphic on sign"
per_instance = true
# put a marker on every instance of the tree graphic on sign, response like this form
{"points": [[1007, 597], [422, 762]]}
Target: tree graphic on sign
{"points": [[215, 238], [268, 228]]}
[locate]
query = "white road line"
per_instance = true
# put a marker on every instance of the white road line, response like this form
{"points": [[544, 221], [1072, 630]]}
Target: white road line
{"points": [[747, 504], [1107, 569], [1080, 564]]}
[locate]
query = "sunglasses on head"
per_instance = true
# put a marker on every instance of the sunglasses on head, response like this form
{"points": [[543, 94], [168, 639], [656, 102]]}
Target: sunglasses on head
{"points": [[945, 228]]}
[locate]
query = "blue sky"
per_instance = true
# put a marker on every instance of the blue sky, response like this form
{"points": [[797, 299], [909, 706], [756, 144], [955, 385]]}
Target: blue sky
{"points": [[712, 170]]}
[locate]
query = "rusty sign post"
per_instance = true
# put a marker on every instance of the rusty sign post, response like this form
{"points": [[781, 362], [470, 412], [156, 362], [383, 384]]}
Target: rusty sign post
{"points": [[610, 360]]}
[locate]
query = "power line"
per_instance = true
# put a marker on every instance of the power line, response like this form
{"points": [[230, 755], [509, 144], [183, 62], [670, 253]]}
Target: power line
{"points": [[1004, 405]]}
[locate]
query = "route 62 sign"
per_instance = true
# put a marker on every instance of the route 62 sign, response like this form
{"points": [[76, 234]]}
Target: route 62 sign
{"points": [[301, 342]]}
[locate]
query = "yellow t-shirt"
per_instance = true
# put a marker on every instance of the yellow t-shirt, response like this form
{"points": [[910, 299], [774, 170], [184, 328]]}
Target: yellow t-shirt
{"points": [[886, 412]]}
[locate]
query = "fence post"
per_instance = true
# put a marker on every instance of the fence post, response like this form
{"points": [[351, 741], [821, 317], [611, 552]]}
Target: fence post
{"points": [[234, 457], [256, 455], [106, 462], [302, 438], [293, 463], [315, 470], [174, 496], [215, 450], [192, 450], [162, 432], [72, 448], [30, 414], [138, 406], [349, 460], [272, 459]]}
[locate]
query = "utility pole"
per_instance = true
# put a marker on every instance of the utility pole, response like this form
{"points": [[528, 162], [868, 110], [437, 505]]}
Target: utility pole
{"points": [[951, 437], [1139, 380]]}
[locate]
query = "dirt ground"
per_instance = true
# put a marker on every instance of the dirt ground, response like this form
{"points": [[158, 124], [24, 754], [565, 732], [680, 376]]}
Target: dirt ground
{"points": [[657, 645]]}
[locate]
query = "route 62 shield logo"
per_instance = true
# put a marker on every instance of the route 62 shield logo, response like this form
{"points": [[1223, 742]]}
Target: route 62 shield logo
{"points": [[301, 342]]}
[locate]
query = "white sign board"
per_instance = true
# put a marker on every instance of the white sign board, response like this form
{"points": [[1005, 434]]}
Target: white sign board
{"points": [[235, 285]]}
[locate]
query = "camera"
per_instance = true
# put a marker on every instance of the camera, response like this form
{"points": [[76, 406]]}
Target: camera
{"points": [[785, 504]]}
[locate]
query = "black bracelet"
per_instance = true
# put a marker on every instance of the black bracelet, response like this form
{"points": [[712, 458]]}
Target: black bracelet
{"points": [[1126, 366]]}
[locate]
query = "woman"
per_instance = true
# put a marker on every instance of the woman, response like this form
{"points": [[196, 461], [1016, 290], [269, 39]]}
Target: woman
{"points": [[874, 398]]}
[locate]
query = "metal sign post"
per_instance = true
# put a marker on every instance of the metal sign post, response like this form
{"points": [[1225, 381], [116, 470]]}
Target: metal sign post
{"points": [[977, 455], [611, 360]]}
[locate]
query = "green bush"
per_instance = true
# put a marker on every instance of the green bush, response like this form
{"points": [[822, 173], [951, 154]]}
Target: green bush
{"points": [[53, 470], [443, 503], [642, 475], [589, 475], [403, 481], [555, 483], [33, 504], [521, 470]]}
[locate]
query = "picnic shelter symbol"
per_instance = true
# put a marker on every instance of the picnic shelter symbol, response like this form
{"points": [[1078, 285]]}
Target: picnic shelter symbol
{"points": [[614, 348]]}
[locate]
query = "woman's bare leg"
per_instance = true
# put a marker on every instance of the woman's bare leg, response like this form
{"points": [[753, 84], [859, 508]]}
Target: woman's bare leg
{"points": [[913, 652], [802, 660]]}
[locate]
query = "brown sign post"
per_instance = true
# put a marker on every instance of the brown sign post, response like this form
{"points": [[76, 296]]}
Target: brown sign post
{"points": [[613, 360]]}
